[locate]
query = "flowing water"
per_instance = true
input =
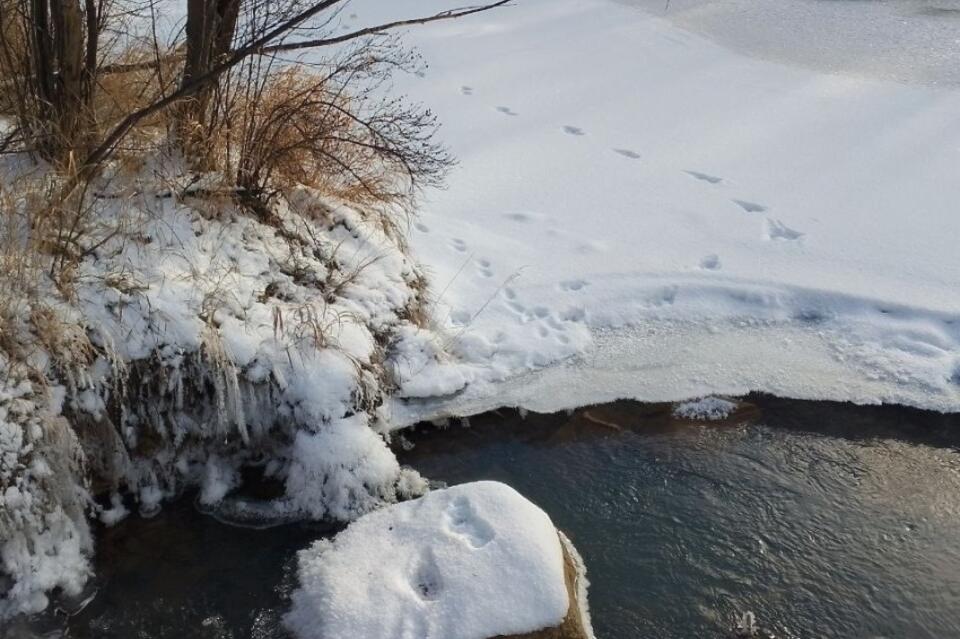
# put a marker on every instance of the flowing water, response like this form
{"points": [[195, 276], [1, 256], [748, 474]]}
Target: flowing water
{"points": [[825, 520]]}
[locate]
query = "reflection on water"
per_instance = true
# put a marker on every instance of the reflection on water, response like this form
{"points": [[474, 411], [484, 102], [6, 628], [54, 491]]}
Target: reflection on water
{"points": [[823, 519]]}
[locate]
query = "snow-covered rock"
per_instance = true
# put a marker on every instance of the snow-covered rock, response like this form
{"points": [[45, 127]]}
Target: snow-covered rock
{"points": [[468, 562]]}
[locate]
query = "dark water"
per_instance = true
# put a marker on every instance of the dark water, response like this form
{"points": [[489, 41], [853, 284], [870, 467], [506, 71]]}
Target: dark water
{"points": [[823, 519]]}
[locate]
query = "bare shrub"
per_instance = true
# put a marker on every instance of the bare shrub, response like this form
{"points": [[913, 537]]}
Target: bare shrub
{"points": [[334, 128]]}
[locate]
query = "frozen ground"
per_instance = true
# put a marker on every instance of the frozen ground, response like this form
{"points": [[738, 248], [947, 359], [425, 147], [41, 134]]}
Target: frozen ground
{"points": [[641, 211], [469, 562]]}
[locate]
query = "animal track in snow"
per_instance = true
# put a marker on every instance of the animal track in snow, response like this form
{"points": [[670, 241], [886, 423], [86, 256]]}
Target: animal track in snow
{"points": [[507, 110], [465, 90], [703, 177], [573, 285], [666, 296], [517, 308], [627, 153], [777, 230], [485, 268], [509, 293], [750, 207], [460, 318], [462, 521], [573, 130], [423, 228], [459, 245], [427, 581], [525, 216], [710, 262]]}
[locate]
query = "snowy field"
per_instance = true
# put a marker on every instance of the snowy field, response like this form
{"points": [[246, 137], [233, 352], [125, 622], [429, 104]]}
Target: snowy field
{"points": [[643, 210]]}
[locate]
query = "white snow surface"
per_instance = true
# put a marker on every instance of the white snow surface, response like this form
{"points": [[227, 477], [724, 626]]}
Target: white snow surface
{"points": [[468, 562], [642, 212], [705, 409]]}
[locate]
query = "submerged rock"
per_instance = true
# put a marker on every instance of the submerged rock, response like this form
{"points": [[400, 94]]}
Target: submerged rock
{"points": [[474, 561]]}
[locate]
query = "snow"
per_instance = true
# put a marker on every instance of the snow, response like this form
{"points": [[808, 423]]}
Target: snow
{"points": [[640, 211], [44, 539], [468, 562], [217, 344], [705, 409]]}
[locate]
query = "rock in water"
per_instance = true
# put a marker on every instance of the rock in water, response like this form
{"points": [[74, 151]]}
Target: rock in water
{"points": [[474, 561]]}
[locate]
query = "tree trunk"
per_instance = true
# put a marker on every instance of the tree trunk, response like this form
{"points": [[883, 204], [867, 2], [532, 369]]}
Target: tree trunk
{"points": [[210, 30], [63, 64]]}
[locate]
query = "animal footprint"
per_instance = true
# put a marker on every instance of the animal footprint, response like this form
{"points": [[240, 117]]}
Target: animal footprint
{"points": [[703, 177], [423, 228], [627, 153], [573, 130], [459, 245], [465, 90], [710, 262], [572, 285], [460, 318], [517, 308], [523, 216], [777, 230], [427, 581], [506, 110], [463, 522], [750, 207], [485, 269], [509, 293]]}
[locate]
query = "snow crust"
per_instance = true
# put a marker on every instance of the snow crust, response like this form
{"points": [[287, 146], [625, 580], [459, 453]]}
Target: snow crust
{"points": [[641, 212], [468, 562]]}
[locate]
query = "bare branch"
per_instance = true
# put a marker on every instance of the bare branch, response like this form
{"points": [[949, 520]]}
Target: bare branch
{"points": [[382, 28]]}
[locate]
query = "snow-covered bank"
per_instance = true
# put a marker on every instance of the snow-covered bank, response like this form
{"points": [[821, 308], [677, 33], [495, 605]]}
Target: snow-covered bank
{"points": [[666, 218], [473, 561], [196, 340]]}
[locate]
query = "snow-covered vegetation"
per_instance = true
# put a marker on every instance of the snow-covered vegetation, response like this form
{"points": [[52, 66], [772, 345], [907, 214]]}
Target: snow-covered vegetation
{"points": [[204, 270], [202, 341]]}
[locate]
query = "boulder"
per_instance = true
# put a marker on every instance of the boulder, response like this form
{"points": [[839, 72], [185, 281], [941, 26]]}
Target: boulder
{"points": [[475, 561]]}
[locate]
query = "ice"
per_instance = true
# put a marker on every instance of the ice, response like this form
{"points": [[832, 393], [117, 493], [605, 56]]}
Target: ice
{"points": [[705, 409], [643, 211]]}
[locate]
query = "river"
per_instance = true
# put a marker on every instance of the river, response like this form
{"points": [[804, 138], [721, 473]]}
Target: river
{"points": [[824, 519]]}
